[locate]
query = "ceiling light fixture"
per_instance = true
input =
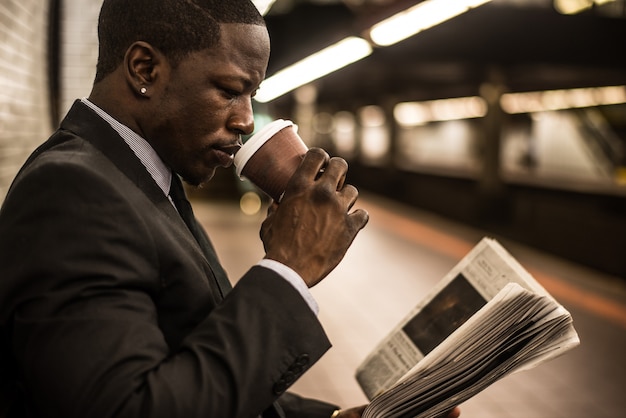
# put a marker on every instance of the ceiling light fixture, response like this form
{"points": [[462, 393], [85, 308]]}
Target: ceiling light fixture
{"points": [[264, 6], [321, 63], [542, 101], [415, 19], [387, 32], [420, 113]]}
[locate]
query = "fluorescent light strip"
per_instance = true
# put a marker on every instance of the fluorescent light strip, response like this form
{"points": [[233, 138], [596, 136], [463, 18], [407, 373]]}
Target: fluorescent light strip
{"points": [[541, 101], [321, 63], [398, 27], [418, 18], [571, 7], [263, 5], [419, 113]]}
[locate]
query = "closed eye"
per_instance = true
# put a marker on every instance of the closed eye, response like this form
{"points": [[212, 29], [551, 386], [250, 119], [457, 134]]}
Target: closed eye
{"points": [[230, 93]]}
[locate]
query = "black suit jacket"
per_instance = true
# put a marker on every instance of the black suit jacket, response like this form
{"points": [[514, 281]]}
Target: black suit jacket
{"points": [[109, 307]]}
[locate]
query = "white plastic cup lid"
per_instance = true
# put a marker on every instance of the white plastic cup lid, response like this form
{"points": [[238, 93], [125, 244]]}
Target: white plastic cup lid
{"points": [[256, 141]]}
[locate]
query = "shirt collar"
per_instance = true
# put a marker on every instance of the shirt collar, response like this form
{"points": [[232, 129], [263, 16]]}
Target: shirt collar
{"points": [[160, 172]]}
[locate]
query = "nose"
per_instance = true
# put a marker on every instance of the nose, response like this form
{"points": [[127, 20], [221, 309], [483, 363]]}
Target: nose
{"points": [[242, 119]]}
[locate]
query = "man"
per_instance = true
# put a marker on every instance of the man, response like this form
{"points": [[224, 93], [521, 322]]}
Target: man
{"points": [[112, 300]]}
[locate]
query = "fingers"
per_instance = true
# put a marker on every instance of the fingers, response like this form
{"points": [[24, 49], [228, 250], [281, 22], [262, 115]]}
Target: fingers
{"points": [[314, 161], [330, 175], [335, 172], [359, 217], [454, 413], [352, 412], [317, 166]]}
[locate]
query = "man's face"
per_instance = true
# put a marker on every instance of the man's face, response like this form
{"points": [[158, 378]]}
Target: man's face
{"points": [[205, 103]]}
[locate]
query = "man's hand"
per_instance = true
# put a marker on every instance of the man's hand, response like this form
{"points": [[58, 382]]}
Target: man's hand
{"points": [[358, 412], [351, 413], [454, 413], [312, 227]]}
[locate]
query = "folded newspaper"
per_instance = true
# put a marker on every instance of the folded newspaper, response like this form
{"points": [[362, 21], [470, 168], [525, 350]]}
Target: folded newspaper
{"points": [[487, 318]]}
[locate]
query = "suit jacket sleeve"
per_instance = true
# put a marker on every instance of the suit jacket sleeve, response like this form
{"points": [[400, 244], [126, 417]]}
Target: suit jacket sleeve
{"points": [[109, 311], [294, 406]]}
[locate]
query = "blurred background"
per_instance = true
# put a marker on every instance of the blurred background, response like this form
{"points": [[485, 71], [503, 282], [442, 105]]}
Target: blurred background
{"points": [[501, 117]]}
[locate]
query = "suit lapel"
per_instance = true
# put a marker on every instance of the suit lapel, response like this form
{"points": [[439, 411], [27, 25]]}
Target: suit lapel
{"points": [[87, 124]]}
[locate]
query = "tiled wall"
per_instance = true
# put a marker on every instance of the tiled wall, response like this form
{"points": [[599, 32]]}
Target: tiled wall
{"points": [[80, 49], [24, 107], [25, 119]]}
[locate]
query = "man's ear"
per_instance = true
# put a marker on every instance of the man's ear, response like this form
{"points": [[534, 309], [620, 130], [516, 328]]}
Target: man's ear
{"points": [[142, 64]]}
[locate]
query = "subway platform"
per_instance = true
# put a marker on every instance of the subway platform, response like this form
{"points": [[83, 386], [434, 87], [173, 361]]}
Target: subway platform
{"points": [[394, 262]]}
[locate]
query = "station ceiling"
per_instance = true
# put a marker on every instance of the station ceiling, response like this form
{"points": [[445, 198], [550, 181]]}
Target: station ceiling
{"points": [[525, 45]]}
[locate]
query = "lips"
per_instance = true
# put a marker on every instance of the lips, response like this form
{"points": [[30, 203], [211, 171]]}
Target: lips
{"points": [[230, 149], [225, 154]]}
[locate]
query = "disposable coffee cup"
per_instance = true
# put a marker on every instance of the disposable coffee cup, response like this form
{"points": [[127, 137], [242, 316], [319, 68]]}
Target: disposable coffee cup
{"points": [[271, 156]]}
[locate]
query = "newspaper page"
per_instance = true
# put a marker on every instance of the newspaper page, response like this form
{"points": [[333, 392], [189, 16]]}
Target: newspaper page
{"points": [[508, 331], [466, 289]]}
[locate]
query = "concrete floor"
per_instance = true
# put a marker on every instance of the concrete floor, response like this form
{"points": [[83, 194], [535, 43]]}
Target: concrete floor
{"points": [[394, 262]]}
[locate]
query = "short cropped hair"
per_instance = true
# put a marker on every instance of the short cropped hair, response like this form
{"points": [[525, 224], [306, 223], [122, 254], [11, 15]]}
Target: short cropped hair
{"points": [[175, 27]]}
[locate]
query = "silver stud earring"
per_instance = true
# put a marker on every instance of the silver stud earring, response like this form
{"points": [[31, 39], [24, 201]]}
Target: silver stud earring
{"points": [[143, 90]]}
